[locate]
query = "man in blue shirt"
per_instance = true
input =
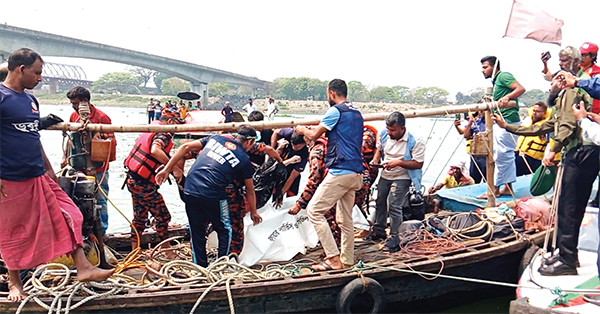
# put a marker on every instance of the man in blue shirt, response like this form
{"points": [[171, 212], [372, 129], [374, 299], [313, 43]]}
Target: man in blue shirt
{"points": [[344, 127], [221, 161]]}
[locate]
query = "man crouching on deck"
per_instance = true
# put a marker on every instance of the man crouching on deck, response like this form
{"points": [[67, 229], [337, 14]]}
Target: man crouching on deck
{"points": [[39, 222], [344, 127]]}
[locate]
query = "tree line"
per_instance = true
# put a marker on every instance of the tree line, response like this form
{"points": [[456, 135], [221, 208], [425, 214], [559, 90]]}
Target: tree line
{"points": [[136, 80]]}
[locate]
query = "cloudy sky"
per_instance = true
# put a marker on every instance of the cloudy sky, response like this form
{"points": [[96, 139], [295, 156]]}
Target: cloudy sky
{"points": [[410, 43]]}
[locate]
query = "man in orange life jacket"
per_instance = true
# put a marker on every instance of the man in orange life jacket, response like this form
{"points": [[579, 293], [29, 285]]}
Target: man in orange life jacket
{"points": [[151, 150]]}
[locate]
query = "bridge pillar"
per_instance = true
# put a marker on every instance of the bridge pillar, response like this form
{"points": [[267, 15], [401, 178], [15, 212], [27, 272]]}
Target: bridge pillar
{"points": [[53, 86], [202, 90]]}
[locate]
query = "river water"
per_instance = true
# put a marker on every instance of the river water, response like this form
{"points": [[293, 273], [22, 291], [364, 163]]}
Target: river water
{"points": [[439, 134]]}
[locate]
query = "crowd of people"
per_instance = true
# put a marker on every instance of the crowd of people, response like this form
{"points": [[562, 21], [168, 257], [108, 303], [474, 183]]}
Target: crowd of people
{"points": [[344, 156]]}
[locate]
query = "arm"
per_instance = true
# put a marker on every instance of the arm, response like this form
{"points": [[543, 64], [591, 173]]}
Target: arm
{"points": [[468, 133], [289, 181], [317, 173], [271, 152], [312, 134], [251, 198], [517, 90], [162, 175], [459, 129], [418, 157], [435, 188], [533, 130], [48, 166], [590, 128]]}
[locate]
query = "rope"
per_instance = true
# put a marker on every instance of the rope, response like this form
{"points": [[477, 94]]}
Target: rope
{"points": [[436, 151]]}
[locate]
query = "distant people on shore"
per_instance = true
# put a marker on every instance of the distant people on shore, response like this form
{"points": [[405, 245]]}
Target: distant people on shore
{"points": [[249, 107], [227, 112], [198, 105], [272, 109], [150, 110], [157, 110]]}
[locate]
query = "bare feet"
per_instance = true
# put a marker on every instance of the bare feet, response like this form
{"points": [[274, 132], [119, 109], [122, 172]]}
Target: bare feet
{"points": [[93, 274], [174, 225], [16, 293], [294, 210], [507, 190]]}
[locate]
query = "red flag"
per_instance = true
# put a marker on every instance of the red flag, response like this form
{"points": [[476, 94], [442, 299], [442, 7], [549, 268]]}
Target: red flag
{"points": [[533, 23]]}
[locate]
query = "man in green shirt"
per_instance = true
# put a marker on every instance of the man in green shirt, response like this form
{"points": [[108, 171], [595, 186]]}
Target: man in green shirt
{"points": [[506, 92]]}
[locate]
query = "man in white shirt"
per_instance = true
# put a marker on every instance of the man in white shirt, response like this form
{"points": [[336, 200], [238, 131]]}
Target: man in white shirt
{"points": [[249, 107], [404, 155], [272, 109]]}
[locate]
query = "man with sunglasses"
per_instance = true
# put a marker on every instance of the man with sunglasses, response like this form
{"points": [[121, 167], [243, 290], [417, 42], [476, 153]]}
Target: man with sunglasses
{"points": [[221, 161]]}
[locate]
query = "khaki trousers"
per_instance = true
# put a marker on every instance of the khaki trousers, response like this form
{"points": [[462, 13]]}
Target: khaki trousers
{"points": [[334, 190]]}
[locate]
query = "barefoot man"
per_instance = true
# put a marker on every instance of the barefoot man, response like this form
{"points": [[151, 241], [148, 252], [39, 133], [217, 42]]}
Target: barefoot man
{"points": [[39, 222]]}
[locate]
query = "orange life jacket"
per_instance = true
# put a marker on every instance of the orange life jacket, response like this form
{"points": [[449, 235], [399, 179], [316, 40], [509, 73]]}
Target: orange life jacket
{"points": [[140, 160]]}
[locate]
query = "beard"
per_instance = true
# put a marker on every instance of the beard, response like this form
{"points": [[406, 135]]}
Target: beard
{"points": [[331, 102]]}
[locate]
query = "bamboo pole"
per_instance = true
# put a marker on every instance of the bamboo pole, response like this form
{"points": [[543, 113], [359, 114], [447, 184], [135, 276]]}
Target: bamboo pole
{"points": [[489, 125], [259, 125]]}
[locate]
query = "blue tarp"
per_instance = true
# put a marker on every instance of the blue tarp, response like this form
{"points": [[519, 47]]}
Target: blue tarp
{"points": [[464, 198]]}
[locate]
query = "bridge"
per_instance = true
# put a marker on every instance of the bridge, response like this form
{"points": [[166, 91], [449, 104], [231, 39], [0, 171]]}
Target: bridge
{"points": [[13, 38], [56, 75]]}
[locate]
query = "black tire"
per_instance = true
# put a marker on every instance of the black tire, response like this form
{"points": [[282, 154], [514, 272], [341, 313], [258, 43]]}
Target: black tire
{"points": [[356, 288], [527, 258]]}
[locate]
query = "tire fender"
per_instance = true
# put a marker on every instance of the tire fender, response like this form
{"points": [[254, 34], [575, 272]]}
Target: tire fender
{"points": [[357, 287]]}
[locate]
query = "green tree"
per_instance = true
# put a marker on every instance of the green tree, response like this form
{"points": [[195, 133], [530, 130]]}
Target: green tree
{"points": [[383, 94], [357, 91], [431, 95], [530, 97], [159, 78], [220, 89], [117, 82], [404, 94], [174, 85]]}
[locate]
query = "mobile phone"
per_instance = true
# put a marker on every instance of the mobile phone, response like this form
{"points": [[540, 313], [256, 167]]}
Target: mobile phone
{"points": [[457, 116], [547, 54], [377, 165]]}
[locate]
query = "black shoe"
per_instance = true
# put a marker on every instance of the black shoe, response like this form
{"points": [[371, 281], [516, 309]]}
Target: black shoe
{"points": [[550, 260], [375, 237], [390, 249], [592, 298], [558, 268], [593, 203]]}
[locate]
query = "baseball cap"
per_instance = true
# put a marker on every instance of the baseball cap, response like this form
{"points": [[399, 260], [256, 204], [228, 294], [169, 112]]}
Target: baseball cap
{"points": [[172, 114], [588, 47]]}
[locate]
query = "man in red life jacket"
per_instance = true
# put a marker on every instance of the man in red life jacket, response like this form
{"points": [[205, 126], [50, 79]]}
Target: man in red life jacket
{"points": [[589, 54], [151, 150]]}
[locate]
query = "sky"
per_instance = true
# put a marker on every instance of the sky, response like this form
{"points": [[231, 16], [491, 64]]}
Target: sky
{"points": [[418, 43]]}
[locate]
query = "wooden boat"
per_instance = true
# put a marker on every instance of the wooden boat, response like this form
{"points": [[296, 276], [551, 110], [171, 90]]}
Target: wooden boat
{"points": [[397, 274]]}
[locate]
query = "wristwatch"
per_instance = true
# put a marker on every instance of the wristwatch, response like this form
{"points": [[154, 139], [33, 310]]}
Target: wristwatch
{"points": [[576, 84]]}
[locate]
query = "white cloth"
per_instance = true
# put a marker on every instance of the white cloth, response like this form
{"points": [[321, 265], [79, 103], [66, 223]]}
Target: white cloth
{"points": [[395, 149], [590, 131], [505, 144]]}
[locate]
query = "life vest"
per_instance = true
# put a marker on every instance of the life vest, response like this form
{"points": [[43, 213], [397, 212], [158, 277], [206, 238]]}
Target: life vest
{"points": [[368, 152], [140, 160], [594, 71], [533, 146], [344, 141]]}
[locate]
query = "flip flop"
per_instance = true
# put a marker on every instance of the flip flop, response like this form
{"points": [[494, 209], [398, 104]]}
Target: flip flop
{"points": [[323, 264]]}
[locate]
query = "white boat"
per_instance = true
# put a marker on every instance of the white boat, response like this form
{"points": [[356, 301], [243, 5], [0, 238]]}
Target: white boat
{"points": [[539, 294]]}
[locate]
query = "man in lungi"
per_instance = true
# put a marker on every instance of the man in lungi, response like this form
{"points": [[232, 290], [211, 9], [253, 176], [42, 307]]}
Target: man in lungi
{"points": [[38, 221], [506, 91]]}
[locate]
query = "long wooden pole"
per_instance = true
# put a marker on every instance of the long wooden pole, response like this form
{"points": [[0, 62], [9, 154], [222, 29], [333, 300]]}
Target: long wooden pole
{"points": [[259, 125], [489, 124]]}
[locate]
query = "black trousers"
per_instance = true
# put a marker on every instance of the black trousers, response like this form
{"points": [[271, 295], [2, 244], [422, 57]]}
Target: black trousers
{"points": [[201, 211], [522, 168], [580, 170], [474, 172]]}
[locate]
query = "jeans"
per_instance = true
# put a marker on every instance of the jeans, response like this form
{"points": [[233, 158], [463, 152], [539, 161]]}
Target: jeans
{"points": [[102, 202]]}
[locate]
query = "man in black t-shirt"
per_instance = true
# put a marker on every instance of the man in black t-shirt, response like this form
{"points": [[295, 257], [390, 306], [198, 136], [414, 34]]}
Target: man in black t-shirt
{"points": [[221, 161]]}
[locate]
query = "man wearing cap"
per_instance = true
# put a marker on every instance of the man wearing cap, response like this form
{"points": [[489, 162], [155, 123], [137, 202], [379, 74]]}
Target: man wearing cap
{"points": [[151, 150], [221, 161], [227, 112], [505, 93], [589, 55]]}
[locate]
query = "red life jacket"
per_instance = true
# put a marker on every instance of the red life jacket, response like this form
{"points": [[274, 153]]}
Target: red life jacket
{"points": [[140, 160], [594, 71]]}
